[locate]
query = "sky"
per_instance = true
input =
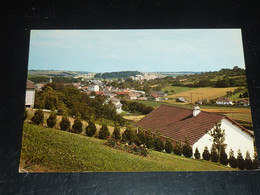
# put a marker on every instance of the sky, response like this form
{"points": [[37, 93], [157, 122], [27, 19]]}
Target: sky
{"points": [[163, 50]]}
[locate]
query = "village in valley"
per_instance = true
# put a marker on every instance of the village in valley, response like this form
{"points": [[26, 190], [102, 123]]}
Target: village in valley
{"points": [[189, 114]]}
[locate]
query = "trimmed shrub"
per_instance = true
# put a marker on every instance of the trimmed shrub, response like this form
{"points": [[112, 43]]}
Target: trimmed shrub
{"points": [[187, 149], [197, 153], [232, 159], [52, 120], [38, 117], [168, 146], [240, 160], [103, 133], [149, 141], [158, 144], [214, 155], [77, 126], [206, 154], [91, 129], [248, 162], [116, 133], [178, 148], [128, 136], [64, 124], [223, 159], [255, 162]]}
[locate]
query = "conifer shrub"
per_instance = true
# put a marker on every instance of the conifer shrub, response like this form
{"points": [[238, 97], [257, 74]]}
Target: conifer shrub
{"points": [[158, 144], [64, 124], [206, 154], [232, 159], [141, 137], [77, 126], [240, 161], [52, 120], [116, 133], [128, 136], [214, 155], [168, 146], [223, 158], [91, 129], [248, 162], [178, 148], [187, 149], [149, 141], [255, 162], [38, 117], [197, 154], [103, 132]]}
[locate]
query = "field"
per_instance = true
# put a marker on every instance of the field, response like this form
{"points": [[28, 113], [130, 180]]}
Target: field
{"points": [[202, 93], [51, 150]]}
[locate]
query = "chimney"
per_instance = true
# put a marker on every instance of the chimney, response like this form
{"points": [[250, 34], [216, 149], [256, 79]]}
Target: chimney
{"points": [[196, 111]]}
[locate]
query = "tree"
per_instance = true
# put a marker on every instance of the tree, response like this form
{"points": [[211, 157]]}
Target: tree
{"points": [[91, 129], [197, 153], [168, 146], [223, 159], [52, 120], [187, 149], [232, 159], [248, 162], [77, 126], [64, 124], [178, 148], [158, 144], [218, 136], [206, 154], [214, 156], [116, 133], [38, 117], [240, 160], [103, 133]]}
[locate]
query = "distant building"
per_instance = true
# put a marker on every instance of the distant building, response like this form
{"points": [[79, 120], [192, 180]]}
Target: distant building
{"points": [[30, 94], [243, 102], [93, 88], [224, 101], [181, 99]]}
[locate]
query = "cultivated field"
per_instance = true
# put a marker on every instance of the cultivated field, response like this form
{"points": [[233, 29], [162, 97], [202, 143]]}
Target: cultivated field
{"points": [[202, 93]]}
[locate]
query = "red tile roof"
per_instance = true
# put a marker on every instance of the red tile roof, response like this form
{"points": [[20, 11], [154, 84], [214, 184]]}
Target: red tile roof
{"points": [[179, 123], [30, 85]]}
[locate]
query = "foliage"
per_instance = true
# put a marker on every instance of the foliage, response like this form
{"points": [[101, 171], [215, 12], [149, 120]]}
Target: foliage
{"points": [[136, 107], [91, 129], [158, 144], [168, 146], [149, 142], [240, 160], [103, 132], [218, 136], [187, 149], [77, 126], [38, 117], [52, 120], [232, 159], [223, 158], [25, 115], [206, 154], [47, 99], [197, 154], [64, 124], [121, 74], [178, 148], [248, 162], [214, 156], [116, 133], [255, 162], [141, 137], [128, 136]]}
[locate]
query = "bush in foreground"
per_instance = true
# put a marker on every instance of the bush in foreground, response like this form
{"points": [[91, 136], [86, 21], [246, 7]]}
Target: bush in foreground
{"points": [[223, 159], [214, 155], [248, 162], [168, 146], [77, 126], [128, 136], [240, 160], [64, 124], [116, 133], [187, 149], [52, 120], [91, 129], [197, 154], [158, 144], [232, 159], [103, 133], [38, 117], [177, 149], [206, 154]]}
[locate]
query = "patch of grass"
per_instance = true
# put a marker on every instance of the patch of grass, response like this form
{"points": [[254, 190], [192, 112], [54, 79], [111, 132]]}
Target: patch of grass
{"points": [[67, 152], [177, 89]]}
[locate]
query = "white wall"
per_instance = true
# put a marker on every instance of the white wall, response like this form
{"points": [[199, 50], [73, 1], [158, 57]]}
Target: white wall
{"points": [[29, 97], [235, 139]]}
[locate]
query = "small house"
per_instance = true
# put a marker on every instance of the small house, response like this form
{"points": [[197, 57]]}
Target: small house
{"points": [[30, 94], [224, 101], [181, 99]]}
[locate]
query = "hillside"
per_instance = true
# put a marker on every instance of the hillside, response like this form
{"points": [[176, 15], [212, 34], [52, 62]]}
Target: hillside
{"points": [[121, 74], [61, 151]]}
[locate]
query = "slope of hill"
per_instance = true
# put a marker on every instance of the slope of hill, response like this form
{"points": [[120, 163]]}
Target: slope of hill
{"points": [[51, 150]]}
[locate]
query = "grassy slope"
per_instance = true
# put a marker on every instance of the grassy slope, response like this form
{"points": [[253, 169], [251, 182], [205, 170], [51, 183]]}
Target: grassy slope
{"points": [[66, 152]]}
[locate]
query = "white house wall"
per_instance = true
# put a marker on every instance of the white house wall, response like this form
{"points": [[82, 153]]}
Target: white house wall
{"points": [[29, 97], [235, 139]]}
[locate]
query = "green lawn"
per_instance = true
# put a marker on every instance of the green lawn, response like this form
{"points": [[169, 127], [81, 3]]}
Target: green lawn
{"points": [[177, 89], [66, 152]]}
